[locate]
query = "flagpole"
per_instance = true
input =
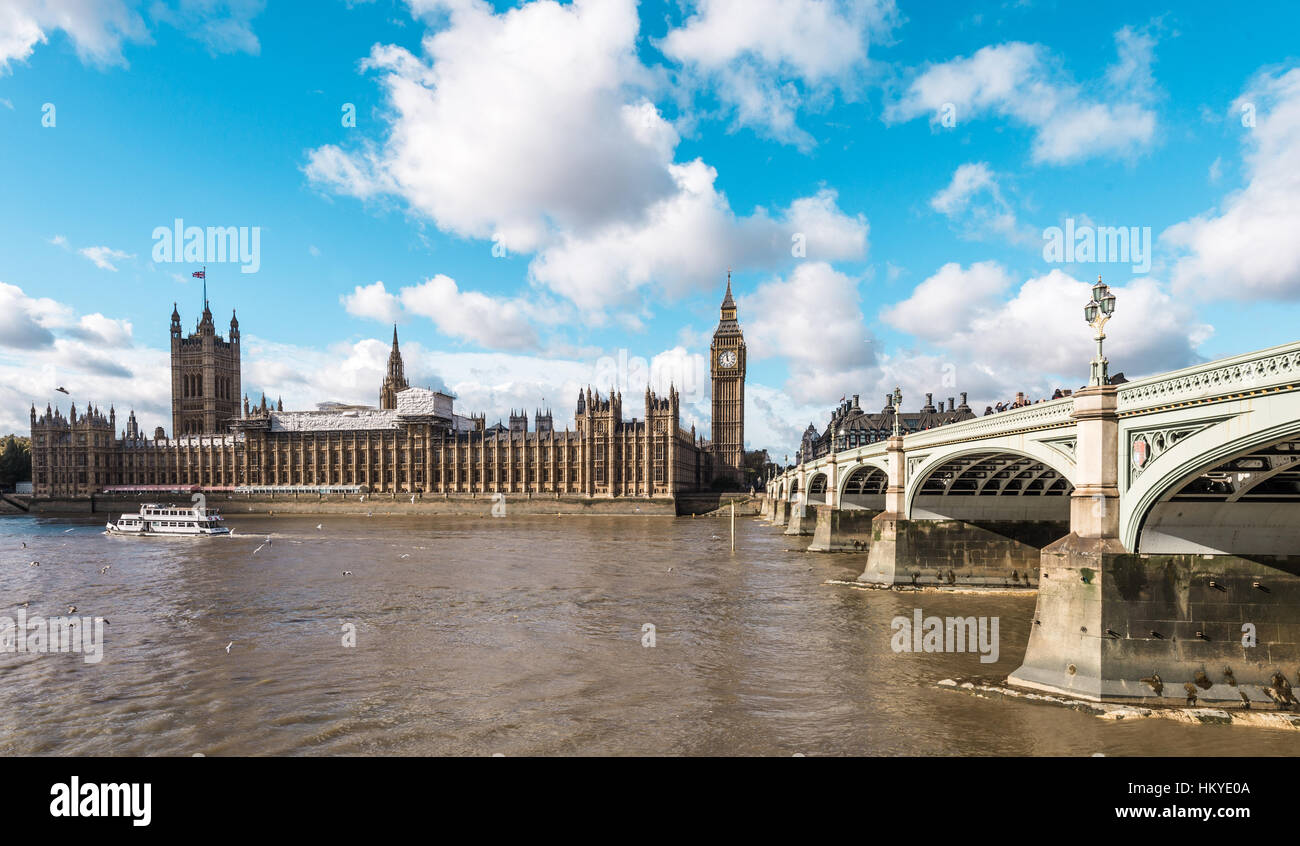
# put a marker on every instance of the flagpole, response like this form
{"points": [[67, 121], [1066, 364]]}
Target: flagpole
{"points": [[205, 287]]}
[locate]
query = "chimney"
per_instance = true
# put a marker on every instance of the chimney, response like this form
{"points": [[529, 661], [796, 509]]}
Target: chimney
{"points": [[963, 399], [950, 405], [855, 400]]}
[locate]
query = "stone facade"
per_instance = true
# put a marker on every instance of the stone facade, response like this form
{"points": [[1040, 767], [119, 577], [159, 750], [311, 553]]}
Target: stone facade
{"points": [[727, 369], [852, 426], [413, 443], [205, 376]]}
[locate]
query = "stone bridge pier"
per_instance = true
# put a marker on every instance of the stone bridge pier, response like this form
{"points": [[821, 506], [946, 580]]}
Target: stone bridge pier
{"points": [[1159, 521]]}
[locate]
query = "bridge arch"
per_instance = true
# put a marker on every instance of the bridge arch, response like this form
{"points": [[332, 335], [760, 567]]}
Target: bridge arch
{"points": [[1233, 487], [817, 488], [793, 495], [863, 486], [1029, 482]]}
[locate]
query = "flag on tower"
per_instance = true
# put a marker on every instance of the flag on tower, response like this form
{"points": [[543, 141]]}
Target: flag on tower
{"points": [[200, 274]]}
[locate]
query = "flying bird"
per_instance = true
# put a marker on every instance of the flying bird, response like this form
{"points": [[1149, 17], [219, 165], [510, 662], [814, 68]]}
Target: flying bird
{"points": [[347, 572], [318, 525], [228, 645], [72, 609], [62, 390]]}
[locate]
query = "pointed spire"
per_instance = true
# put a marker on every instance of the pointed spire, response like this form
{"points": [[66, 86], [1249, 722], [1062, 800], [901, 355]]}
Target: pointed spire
{"points": [[727, 301]]}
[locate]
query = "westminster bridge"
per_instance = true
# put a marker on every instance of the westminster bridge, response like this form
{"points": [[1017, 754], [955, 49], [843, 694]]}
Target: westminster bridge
{"points": [[1159, 520]]}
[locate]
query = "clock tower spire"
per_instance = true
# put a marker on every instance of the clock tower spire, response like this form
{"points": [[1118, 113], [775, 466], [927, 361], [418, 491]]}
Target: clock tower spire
{"points": [[727, 369]]}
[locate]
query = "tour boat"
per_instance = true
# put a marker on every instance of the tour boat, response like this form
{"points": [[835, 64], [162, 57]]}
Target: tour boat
{"points": [[169, 520]]}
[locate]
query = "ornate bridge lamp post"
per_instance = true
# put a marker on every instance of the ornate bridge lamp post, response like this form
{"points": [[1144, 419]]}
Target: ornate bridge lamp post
{"points": [[1097, 311], [898, 408], [1074, 598]]}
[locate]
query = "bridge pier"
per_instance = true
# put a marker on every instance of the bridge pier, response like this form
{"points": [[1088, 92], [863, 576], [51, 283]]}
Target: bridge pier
{"points": [[842, 530], [931, 553], [780, 512], [802, 518], [1116, 626]]}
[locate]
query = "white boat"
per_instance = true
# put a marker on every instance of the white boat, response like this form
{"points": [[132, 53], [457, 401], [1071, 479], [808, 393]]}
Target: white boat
{"points": [[169, 520]]}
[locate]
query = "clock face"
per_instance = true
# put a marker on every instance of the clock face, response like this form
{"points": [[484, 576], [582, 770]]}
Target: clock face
{"points": [[727, 359]]}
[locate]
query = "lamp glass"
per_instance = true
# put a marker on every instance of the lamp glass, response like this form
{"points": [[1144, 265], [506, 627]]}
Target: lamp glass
{"points": [[1108, 304], [1090, 312]]}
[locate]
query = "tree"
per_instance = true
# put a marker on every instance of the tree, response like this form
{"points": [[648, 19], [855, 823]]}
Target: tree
{"points": [[15, 460]]}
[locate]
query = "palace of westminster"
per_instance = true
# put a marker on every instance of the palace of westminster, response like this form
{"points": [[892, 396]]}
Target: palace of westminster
{"points": [[414, 442]]}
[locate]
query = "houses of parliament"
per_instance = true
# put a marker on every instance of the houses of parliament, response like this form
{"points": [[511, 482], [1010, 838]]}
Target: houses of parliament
{"points": [[413, 442]]}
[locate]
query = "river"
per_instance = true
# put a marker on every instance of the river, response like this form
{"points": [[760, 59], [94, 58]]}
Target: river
{"points": [[513, 636]]}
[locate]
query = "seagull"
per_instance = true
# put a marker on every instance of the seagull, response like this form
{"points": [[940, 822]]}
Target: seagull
{"points": [[228, 645], [318, 526], [259, 549], [24, 604], [34, 564], [412, 499], [404, 555], [347, 572], [62, 390], [24, 544], [72, 609], [104, 569], [73, 529]]}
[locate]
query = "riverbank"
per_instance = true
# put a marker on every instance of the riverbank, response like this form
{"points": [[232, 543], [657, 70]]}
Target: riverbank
{"points": [[405, 504]]}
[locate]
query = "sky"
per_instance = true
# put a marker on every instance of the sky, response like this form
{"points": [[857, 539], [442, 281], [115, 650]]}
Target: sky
{"points": [[544, 196]]}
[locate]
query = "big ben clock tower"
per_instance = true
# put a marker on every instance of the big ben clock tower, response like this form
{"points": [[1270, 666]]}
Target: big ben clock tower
{"points": [[727, 368]]}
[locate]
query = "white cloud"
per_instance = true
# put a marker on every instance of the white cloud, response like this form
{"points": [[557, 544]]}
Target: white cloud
{"points": [[1248, 249], [974, 202], [224, 26], [688, 240], [494, 322], [531, 128], [373, 302], [45, 344], [766, 56], [996, 339], [1023, 83], [103, 257], [826, 347], [469, 315], [25, 321], [98, 28]]}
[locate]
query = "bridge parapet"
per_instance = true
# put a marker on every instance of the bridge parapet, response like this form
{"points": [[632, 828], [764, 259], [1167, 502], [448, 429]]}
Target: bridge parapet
{"points": [[1228, 378], [1042, 415]]}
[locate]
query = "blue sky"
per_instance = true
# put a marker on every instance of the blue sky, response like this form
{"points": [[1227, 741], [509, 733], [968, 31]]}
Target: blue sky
{"points": [[548, 190]]}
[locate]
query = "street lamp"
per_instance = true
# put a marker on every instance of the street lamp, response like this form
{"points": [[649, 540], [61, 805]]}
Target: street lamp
{"points": [[1096, 312], [898, 408], [843, 438]]}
